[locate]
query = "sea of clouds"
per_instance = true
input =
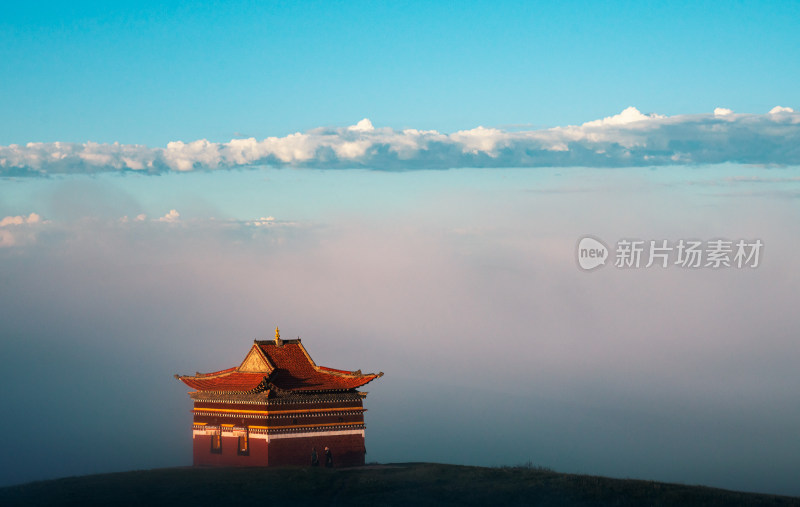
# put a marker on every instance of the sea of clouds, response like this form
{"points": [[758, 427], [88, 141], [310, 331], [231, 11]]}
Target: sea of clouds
{"points": [[629, 138]]}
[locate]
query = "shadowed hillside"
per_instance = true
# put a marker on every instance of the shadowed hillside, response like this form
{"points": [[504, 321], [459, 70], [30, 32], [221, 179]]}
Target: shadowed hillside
{"points": [[417, 484]]}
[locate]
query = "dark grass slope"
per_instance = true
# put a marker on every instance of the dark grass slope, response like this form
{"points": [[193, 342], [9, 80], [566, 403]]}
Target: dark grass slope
{"points": [[410, 484]]}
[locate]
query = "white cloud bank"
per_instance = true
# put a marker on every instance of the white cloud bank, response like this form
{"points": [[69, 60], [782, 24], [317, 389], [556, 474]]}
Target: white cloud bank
{"points": [[18, 230], [630, 138], [33, 218], [170, 218]]}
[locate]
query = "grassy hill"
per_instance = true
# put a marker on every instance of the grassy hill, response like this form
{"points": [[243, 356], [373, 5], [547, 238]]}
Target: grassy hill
{"points": [[414, 484]]}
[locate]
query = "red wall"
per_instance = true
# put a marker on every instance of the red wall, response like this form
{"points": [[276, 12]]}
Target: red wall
{"points": [[347, 450], [229, 456]]}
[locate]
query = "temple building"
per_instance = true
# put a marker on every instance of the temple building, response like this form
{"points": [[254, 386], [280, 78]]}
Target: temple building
{"points": [[275, 408]]}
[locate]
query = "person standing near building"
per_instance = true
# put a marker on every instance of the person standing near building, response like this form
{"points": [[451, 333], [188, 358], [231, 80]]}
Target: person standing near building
{"points": [[314, 457], [328, 458]]}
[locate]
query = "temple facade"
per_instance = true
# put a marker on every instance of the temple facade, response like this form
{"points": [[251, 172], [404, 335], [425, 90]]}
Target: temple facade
{"points": [[275, 408]]}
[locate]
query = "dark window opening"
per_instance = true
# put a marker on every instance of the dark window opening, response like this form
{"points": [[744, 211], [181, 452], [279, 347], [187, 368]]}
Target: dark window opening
{"points": [[244, 446], [216, 443]]}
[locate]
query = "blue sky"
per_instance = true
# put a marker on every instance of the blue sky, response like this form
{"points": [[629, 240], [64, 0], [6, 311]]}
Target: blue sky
{"points": [[404, 186], [143, 73]]}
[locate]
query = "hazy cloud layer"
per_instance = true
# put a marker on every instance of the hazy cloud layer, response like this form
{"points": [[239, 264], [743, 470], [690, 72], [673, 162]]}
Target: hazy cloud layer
{"points": [[470, 301], [672, 374], [630, 138]]}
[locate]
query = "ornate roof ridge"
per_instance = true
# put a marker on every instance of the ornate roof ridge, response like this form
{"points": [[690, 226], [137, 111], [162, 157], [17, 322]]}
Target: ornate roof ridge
{"points": [[285, 368], [346, 373], [219, 373], [272, 342], [190, 380], [213, 374]]}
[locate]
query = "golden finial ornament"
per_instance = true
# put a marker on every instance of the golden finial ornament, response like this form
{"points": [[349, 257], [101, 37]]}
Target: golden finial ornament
{"points": [[278, 341]]}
